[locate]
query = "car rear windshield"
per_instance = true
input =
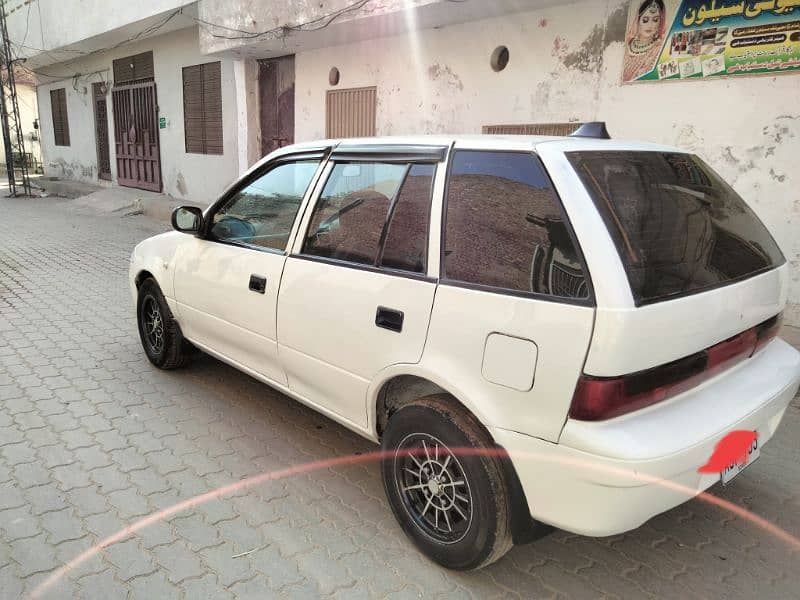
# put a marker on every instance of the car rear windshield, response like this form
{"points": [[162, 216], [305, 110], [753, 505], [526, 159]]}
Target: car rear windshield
{"points": [[678, 227]]}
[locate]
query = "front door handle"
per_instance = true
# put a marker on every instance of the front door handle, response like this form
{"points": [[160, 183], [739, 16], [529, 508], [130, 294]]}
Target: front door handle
{"points": [[388, 318], [258, 284]]}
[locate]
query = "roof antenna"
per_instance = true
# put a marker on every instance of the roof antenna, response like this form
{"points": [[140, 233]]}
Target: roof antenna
{"points": [[595, 129]]}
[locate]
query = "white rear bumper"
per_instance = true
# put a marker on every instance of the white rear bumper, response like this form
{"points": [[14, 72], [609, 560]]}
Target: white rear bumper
{"points": [[608, 477]]}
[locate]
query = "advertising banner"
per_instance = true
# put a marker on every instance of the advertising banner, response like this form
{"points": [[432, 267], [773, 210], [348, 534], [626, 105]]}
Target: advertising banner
{"points": [[694, 39]]}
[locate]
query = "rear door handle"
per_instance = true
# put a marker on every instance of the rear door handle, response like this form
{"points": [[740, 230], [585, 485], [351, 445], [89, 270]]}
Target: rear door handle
{"points": [[258, 284], [388, 318]]}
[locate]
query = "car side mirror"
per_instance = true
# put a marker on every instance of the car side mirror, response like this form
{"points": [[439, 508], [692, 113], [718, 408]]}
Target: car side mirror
{"points": [[187, 219]]}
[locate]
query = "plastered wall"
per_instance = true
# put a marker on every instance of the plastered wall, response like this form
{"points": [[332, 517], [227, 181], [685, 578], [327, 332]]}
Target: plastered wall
{"points": [[565, 64], [192, 176]]}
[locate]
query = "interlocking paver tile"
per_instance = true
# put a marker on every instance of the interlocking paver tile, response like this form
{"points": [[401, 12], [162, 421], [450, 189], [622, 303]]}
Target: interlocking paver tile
{"points": [[19, 523], [93, 438], [205, 588], [197, 532], [103, 585], [130, 559], [33, 555], [229, 566], [179, 562], [62, 526]]}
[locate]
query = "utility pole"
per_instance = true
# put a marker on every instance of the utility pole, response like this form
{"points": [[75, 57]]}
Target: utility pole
{"points": [[16, 159]]}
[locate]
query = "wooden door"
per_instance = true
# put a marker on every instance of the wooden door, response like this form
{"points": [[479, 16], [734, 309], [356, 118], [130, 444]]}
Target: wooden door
{"points": [[101, 131], [276, 93], [136, 136]]}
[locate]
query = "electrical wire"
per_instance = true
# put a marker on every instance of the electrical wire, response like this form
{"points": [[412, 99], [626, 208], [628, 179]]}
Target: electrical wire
{"points": [[83, 54], [316, 24]]}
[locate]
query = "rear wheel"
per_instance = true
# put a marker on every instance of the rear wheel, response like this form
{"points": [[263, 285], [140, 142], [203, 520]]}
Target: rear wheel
{"points": [[450, 499], [160, 334]]}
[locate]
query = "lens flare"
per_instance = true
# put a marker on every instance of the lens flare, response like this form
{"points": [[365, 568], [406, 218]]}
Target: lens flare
{"points": [[769, 527]]}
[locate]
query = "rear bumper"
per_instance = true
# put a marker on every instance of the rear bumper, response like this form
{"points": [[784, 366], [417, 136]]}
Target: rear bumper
{"points": [[610, 477]]}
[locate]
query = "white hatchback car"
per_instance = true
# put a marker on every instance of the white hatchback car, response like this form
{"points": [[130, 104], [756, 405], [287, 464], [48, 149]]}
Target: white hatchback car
{"points": [[593, 316]]}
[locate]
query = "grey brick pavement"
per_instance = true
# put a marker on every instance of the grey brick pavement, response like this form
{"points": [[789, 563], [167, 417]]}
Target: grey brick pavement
{"points": [[92, 437]]}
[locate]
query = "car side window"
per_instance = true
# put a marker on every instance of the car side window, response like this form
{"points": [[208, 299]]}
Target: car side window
{"points": [[263, 212], [374, 214], [504, 227]]}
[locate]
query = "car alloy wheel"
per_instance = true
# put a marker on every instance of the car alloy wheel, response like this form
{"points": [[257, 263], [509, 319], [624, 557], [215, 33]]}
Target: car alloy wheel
{"points": [[153, 325], [434, 488]]}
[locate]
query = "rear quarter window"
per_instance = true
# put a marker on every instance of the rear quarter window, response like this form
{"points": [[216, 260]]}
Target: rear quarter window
{"points": [[678, 227], [505, 229]]}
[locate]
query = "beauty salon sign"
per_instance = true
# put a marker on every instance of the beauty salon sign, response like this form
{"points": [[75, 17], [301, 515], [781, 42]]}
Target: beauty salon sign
{"points": [[694, 39]]}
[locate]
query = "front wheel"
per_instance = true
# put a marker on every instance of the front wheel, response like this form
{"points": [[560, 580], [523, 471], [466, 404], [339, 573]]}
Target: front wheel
{"points": [[449, 496], [161, 336]]}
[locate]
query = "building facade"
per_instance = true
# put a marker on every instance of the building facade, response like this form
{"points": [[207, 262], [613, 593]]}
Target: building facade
{"points": [[29, 121], [214, 85]]}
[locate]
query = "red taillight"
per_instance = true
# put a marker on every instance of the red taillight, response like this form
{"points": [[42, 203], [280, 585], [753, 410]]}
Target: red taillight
{"points": [[599, 398], [731, 351], [768, 331]]}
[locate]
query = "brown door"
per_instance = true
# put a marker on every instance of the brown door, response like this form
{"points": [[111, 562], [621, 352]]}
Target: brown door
{"points": [[101, 131], [276, 93], [136, 136]]}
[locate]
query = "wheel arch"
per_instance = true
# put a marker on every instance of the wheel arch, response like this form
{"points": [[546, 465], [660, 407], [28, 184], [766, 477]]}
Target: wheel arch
{"points": [[141, 276], [401, 386]]}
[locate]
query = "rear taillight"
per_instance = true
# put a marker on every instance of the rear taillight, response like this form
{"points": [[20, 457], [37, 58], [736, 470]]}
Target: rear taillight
{"points": [[768, 331], [599, 398]]}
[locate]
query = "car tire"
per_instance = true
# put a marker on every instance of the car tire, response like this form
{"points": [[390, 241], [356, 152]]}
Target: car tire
{"points": [[423, 471], [160, 334]]}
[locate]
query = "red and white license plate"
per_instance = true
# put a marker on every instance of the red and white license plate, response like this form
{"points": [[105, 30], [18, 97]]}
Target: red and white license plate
{"points": [[734, 469]]}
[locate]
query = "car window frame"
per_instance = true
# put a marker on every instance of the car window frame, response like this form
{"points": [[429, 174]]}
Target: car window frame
{"points": [[433, 155], [321, 155], [589, 301]]}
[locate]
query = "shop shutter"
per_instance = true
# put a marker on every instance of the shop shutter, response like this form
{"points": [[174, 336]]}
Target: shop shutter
{"points": [[58, 107], [351, 113], [134, 69], [202, 108], [533, 129]]}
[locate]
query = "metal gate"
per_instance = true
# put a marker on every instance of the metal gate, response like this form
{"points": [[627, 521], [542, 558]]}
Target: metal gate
{"points": [[101, 131], [136, 136]]}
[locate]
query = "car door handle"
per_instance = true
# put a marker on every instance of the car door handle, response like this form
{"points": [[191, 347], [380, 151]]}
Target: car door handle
{"points": [[388, 318], [258, 284]]}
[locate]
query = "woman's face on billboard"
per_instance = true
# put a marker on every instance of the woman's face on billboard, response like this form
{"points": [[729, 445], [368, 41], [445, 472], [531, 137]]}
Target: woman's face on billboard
{"points": [[650, 22]]}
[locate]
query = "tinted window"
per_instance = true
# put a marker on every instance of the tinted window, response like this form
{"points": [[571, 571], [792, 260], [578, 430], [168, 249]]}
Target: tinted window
{"points": [[373, 214], [263, 212], [504, 227], [678, 227]]}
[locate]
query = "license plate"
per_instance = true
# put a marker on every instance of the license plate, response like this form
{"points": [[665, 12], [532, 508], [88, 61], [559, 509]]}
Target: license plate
{"points": [[733, 470]]}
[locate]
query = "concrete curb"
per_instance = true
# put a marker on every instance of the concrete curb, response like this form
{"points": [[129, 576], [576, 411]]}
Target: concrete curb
{"points": [[160, 208]]}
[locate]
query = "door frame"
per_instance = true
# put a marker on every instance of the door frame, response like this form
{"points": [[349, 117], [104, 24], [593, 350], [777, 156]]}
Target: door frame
{"points": [[142, 109], [100, 92], [264, 64]]}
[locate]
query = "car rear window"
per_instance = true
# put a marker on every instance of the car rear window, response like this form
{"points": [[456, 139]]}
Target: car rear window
{"points": [[678, 227]]}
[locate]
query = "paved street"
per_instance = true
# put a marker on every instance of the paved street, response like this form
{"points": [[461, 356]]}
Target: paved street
{"points": [[93, 438]]}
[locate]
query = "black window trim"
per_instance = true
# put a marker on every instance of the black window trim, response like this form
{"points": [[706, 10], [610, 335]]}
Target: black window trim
{"points": [[372, 158], [390, 153], [589, 301], [205, 233], [390, 216], [335, 262]]}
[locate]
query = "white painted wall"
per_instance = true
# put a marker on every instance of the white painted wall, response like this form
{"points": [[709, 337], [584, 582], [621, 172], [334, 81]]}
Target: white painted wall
{"points": [[196, 177], [566, 64], [35, 25], [28, 113]]}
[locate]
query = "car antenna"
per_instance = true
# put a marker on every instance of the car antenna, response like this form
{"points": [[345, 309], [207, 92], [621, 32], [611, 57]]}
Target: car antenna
{"points": [[594, 129]]}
